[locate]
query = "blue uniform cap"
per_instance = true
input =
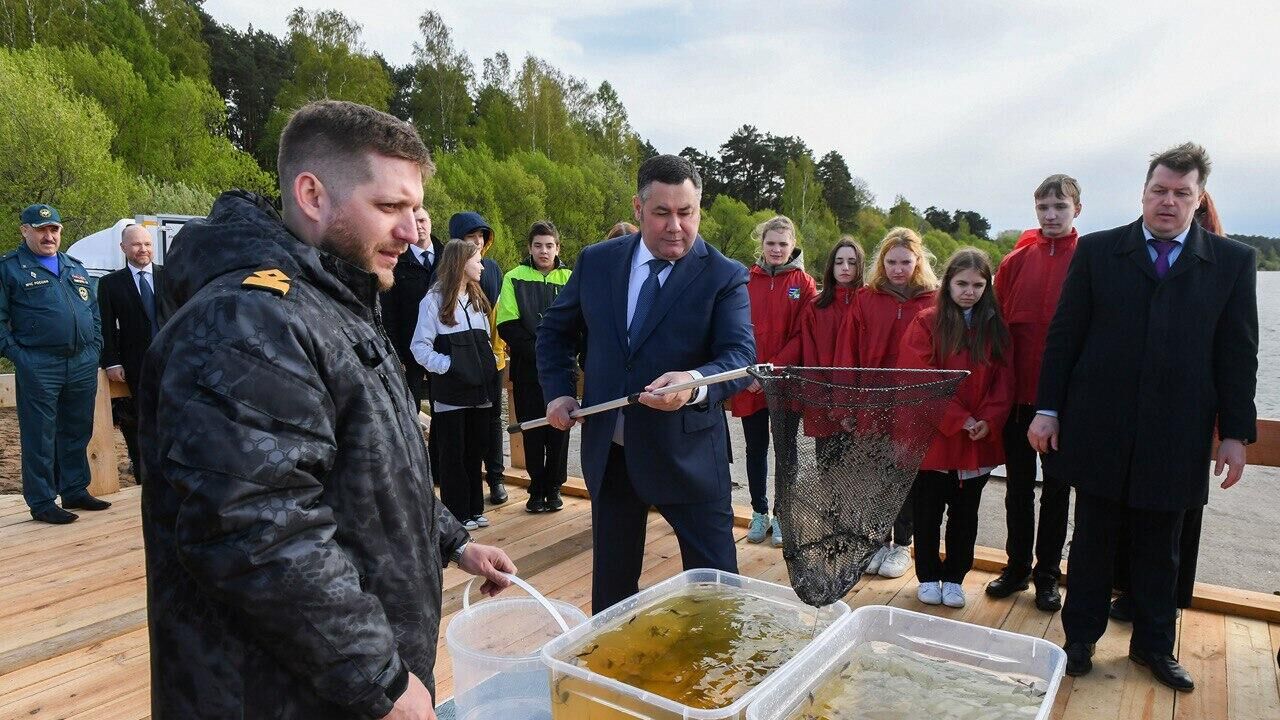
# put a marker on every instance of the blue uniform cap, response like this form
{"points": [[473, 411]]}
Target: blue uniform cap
{"points": [[41, 215]]}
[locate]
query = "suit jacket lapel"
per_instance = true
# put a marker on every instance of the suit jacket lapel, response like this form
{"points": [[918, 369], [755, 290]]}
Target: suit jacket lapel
{"points": [[1134, 245], [1195, 249], [621, 278], [684, 272]]}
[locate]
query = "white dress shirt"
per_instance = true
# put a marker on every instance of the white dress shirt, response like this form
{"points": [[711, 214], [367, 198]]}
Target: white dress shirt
{"points": [[419, 252]]}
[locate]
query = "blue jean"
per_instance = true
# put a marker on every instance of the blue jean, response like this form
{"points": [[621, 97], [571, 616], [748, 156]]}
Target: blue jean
{"points": [[55, 421], [755, 429]]}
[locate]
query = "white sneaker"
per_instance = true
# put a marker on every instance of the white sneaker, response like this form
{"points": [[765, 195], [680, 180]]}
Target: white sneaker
{"points": [[896, 562], [952, 595], [873, 567], [481, 521], [929, 593], [470, 524]]}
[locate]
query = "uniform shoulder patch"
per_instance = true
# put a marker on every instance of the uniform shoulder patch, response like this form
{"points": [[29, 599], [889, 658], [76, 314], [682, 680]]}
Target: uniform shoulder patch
{"points": [[271, 280]]}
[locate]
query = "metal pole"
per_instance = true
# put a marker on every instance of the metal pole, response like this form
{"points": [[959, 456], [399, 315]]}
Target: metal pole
{"points": [[634, 398]]}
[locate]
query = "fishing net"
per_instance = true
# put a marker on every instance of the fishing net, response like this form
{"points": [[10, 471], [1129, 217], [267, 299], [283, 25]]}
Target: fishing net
{"points": [[848, 444]]}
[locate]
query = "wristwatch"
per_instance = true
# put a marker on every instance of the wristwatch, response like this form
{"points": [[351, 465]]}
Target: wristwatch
{"points": [[456, 557]]}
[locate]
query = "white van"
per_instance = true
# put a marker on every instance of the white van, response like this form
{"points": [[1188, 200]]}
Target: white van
{"points": [[100, 252]]}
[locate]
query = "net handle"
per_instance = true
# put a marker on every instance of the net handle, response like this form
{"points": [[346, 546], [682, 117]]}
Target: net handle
{"points": [[542, 600], [634, 398]]}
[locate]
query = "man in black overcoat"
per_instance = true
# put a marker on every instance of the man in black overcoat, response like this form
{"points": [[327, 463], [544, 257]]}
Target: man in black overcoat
{"points": [[414, 273], [1154, 344]]}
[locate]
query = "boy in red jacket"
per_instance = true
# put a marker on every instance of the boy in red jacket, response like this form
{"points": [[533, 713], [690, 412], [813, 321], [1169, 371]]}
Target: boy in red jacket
{"points": [[1027, 287]]}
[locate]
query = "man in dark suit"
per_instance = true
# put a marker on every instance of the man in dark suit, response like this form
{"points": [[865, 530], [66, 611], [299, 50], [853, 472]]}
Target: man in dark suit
{"points": [[414, 273], [1155, 341], [128, 305], [657, 308]]}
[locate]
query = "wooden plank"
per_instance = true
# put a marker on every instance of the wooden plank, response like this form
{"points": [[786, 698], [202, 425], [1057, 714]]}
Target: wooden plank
{"points": [[1144, 696], [72, 640], [104, 471], [1275, 650], [8, 390], [1025, 618], [1202, 650], [1251, 689], [1098, 694], [77, 612], [88, 679]]}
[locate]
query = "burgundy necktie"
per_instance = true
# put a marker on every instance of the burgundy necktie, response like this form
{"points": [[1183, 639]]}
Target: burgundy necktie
{"points": [[1163, 248]]}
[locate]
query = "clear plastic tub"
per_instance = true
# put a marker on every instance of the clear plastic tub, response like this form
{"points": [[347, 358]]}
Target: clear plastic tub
{"points": [[996, 651], [496, 649], [597, 697]]}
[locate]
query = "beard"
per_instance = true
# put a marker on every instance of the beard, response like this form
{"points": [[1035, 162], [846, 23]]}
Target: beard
{"points": [[343, 241]]}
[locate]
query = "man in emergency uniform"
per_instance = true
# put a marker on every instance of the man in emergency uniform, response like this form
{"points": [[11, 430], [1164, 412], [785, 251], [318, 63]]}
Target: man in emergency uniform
{"points": [[50, 330]]}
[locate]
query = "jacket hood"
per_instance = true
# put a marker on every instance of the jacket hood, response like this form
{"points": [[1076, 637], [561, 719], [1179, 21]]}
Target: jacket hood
{"points": [[796, 262], [466, 222], [243, 232]]}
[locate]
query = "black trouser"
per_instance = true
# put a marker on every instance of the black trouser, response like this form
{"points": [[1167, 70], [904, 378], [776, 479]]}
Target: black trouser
{"points": [[1188, 557], [546, 449], [494, 465], [936, 493], [460, 438], [618, 522], [1020, 504], [1152, 545], [124, 413]]}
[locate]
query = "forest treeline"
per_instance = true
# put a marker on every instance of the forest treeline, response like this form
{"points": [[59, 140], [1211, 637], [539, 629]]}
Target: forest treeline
{"points": [[119, 107]]}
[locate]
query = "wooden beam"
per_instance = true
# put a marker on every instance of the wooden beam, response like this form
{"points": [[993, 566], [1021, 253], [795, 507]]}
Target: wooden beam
{"points": [[104, 472], [8, 391], [516, 440]]}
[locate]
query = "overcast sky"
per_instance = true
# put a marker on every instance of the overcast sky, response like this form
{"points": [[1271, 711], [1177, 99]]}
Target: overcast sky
{"points": [[955, 104]]}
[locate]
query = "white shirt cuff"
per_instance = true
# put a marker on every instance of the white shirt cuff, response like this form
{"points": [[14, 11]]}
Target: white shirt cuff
{"points": [[699, 395], [1048, 413]]}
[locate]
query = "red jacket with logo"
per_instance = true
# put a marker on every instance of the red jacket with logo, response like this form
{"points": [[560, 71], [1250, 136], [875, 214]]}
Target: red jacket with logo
{"points": [[987, 394], [778, 299], [1028, 284]]}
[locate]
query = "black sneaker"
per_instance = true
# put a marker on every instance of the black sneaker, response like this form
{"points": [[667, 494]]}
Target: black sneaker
{"points": [[85, 502], [1079, 658], [1048, 597], [554, 501], [497, 492], [1009, 582], [54, 515], [536, 504]]}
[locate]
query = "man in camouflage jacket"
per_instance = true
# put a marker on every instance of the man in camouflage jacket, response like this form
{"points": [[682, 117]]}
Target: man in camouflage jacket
{"points": [[294, 545]]}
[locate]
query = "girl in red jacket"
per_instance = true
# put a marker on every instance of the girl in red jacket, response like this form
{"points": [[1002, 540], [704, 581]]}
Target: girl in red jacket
{"points": [[901, 284], [964, 331], [780, 290], [819, 326]]}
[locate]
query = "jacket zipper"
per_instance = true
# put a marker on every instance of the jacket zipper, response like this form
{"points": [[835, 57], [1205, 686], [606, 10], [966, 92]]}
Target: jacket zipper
{"points": [[75, 329], [1053, 244]]}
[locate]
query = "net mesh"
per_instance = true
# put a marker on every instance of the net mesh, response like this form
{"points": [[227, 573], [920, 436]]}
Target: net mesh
{"points": [[848, 443]]}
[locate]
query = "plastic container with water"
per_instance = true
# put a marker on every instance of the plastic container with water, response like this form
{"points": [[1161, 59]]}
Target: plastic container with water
{"points": [[607, 668], [923, 666], [498, 673]]}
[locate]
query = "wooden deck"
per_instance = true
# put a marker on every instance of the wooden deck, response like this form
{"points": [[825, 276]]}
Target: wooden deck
{"points": [[73, 640]]}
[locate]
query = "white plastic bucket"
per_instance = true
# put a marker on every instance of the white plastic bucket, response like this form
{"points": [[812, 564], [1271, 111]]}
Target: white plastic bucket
{"points": [[496, 645]]}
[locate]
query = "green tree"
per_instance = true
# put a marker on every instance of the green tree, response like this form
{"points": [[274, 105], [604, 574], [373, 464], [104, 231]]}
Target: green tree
{"points": [[156, 196], [438, 100], [175, 27], [247, 69], [845, 194], [329, 64], [55, 147], [804, 202]]}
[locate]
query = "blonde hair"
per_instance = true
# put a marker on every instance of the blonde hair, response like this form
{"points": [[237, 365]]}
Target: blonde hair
{"points": [[777, 223], [922, 279]]}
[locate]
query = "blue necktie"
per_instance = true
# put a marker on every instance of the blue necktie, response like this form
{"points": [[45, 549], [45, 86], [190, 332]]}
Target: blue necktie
{"points": [[148, 301], [648, 294]]}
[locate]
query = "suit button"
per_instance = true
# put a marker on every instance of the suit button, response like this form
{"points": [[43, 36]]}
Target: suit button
{"points": [[628, 367]]}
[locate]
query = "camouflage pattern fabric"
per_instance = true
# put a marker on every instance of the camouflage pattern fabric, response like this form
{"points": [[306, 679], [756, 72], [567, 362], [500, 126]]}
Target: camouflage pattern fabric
{"points": [[294, 545]]}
